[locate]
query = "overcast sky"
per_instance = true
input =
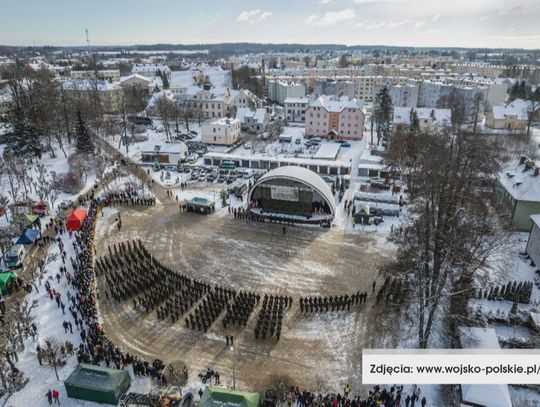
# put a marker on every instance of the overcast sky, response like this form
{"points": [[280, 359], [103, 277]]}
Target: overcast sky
{"points": [[468, 23]]}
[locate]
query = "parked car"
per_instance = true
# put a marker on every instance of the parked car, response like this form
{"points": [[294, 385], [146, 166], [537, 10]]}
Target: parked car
{"points": [[65, 204], [345, 145], [202, 178]]}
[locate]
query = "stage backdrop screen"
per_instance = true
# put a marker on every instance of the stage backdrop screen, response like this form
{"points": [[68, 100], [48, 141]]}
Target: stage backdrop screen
{"points": [[283, 193]]}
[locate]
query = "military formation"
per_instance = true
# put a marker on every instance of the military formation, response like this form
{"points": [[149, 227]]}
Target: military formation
{"points": [[393, 291], [271, 315], [329, 303], [131, 273]]}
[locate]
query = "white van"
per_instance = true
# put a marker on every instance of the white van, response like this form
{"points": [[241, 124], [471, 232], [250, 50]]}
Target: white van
{"points": [[15, 256]]}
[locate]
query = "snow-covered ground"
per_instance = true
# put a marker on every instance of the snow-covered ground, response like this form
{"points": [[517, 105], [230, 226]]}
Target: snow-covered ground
{"points": [[49, 318]]}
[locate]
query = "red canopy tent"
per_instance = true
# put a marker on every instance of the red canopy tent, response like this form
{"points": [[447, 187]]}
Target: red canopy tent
{"points": [[75, 220]]}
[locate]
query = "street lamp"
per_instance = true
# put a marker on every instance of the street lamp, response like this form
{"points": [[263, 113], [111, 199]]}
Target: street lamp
{"points": [[234, 368]]}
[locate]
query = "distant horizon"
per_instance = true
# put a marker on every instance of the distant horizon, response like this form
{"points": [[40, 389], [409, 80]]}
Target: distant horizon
{"points": [[494, 24], [250, 43]]}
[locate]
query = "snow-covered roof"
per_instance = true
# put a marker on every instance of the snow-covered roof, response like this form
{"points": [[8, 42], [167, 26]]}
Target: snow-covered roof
{"points": [[536, 219], [84, 84], [304, 176], [258, 115], [520, 182], [150, 67], [224, 121], [333, 104], [442, 117], [517, 108], [478, 338], [327, 151], [492, 395], [153, 147], [134, 76], [296, 100]]}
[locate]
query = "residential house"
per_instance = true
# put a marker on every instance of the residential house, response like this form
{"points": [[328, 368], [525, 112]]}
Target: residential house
{"points": [[242, 98], [254, 121], [519, 188], [295, 109], [427, 118], [335, 118], [222, 132], [506, 118]]}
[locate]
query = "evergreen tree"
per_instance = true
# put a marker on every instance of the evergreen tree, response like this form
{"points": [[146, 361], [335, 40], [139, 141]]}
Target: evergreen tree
{"points": [[514, 92], [83, 139], [414, 126], [383, 114], [24, 139], [165, 81], [522, 93]]}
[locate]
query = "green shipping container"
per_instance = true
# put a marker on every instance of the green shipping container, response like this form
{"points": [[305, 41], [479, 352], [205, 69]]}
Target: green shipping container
{"points": [[98, 384]]}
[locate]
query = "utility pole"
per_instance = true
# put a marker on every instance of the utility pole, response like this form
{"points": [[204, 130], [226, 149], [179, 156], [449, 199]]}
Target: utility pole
{"points": [[234, 368], [91, 55]]}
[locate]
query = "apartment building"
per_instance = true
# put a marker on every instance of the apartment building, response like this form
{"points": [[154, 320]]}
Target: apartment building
{"points": [[295, 109], [225, 132], [335, 118]]}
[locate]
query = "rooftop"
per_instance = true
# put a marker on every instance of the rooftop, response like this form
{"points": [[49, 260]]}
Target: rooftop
{"points": [[520, 181]]}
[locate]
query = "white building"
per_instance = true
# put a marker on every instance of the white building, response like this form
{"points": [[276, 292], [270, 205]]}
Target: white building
{"points": [[163, 153], [111, 75], [241, 99], [401, 95], [253, 120], [278, 91], [224, 132], [426, 118], [295, 109], [150, 70]]}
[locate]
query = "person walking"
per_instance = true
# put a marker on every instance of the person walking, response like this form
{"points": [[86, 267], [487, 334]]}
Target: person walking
{"points": [[49, 396], [55, 396], [423, 402]]}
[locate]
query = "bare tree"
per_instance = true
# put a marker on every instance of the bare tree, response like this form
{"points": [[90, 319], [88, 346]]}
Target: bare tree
{"points": [[453, 228], [165, 109], [54, 354]]}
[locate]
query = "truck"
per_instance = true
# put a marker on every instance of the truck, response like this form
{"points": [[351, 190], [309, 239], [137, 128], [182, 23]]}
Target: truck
{"points": [[40, 208]]}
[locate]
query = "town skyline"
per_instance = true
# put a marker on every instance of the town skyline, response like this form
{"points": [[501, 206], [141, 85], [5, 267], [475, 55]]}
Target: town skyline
{"points": [[484, 24]]}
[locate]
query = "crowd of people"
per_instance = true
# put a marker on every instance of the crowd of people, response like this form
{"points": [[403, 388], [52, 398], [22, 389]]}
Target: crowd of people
{"points": [[329, 303], [271, 315], [128, 197], [378, 396], [95, 347]]}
